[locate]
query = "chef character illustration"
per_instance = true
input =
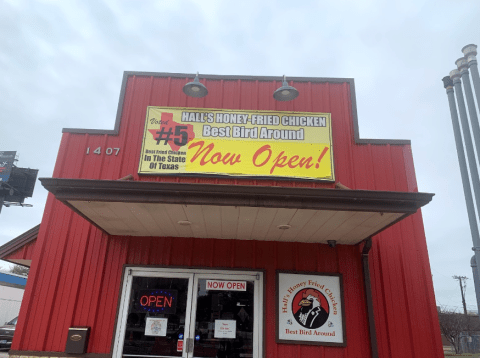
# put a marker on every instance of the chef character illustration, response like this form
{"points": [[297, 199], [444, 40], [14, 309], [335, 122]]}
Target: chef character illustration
{"points": [[310, 314]]}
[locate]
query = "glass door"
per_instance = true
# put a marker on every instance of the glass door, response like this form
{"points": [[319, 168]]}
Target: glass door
{"points": [[190, 313], [155, 314], [226, 311]]}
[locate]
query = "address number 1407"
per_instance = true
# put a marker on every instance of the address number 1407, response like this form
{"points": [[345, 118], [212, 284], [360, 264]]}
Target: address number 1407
{"points": [[108, 151]]}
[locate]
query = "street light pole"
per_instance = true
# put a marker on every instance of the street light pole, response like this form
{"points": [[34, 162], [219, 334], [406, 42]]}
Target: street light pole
{"points": [[472, 164], [467, 190], [462, 65], [470, 52]]}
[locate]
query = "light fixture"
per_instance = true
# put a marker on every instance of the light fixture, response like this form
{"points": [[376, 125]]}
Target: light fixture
{"points": [[286, 92], [195, 88], [284, 227], [184, 223], [332, 243]]}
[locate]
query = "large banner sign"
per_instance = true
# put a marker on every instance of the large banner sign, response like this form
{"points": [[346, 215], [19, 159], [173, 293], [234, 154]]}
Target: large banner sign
{"points": [[310, 309], [237, 143]]}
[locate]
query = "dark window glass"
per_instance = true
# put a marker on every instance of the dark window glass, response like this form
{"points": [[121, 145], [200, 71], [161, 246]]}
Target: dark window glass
{"points": [[156, 297], [229, 306]]}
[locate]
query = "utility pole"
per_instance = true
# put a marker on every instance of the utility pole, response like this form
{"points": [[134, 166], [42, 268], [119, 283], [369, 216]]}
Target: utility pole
{"points": [[462, 287]]}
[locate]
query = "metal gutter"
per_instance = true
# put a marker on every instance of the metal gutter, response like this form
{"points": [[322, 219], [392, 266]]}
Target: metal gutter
{"points": [[235, 195], [369, 297]]}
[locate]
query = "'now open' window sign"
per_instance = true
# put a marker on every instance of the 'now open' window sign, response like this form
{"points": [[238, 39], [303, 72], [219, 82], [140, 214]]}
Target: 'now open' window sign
{"points": [[221, 285]]}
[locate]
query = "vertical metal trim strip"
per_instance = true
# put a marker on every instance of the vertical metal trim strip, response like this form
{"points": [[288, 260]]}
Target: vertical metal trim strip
{"points": [[369, 297], [121, 313]]}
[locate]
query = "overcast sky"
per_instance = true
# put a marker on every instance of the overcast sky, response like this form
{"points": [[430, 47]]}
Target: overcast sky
{"points": [[61, 65]]}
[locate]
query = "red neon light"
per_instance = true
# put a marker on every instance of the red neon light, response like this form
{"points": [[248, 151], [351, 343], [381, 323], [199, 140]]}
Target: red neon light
{"points": [[156, 301]]}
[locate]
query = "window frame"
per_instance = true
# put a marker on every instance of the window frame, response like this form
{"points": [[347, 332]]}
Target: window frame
{"points": [[193, 274]]}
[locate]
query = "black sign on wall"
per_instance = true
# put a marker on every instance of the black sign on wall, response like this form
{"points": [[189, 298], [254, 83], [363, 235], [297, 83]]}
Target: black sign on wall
{"points": [[23, 180]]}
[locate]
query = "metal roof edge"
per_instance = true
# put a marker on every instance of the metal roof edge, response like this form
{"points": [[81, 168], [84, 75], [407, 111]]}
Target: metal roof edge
{"points": [[350, 81], [18, 242], [234, 195]]}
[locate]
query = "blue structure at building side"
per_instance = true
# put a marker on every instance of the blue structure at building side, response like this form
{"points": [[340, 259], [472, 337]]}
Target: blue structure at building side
{"points": [[12, 279]]}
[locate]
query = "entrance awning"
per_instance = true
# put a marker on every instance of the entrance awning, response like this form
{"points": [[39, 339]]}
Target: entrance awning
{"points": [[134, 208]]}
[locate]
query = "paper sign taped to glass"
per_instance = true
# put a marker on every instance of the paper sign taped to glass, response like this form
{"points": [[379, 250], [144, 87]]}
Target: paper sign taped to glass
{"points": [[225, 328], [156, 327]]}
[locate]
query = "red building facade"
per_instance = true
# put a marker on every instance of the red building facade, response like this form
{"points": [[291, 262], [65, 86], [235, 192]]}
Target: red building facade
{"points": [[97, 237]]}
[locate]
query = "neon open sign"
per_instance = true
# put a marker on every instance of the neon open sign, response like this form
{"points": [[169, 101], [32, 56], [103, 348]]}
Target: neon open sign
{"points": [[156, 301]]}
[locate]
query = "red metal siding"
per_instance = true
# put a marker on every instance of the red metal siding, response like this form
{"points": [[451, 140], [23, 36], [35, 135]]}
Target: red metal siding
{"points": [[23, 253], [76, 270], [78, 297]]}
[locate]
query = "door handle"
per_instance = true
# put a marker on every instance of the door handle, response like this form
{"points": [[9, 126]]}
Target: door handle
{"points": [[189, 345]]}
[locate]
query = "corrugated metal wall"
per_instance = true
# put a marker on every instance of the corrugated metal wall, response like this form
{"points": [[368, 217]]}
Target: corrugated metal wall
{"points": [[23, 253], [76, 269]]}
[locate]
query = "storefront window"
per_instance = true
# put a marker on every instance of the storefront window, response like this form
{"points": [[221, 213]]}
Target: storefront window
{"points": [[190, 313], [234, 310], [156, 316]]}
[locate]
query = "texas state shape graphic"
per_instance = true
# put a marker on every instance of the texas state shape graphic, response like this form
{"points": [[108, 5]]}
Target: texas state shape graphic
{"points": [[175, 134]]}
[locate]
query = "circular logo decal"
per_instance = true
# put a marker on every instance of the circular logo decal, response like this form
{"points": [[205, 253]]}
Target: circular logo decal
{"points": [[310, 308]]}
